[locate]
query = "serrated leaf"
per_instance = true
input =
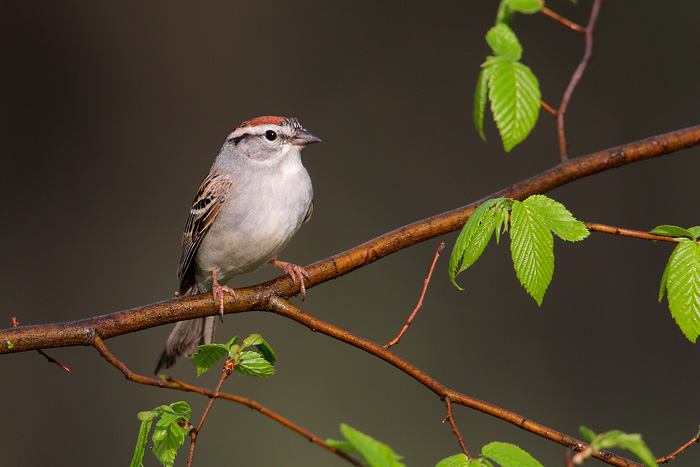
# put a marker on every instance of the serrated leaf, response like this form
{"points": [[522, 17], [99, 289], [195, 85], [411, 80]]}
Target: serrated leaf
{"points": [[509, 455], [586, 433], [375, 453], [532, 250], [169, 435], [253, 364], [525, 6], [515, 99], [166, 442], [480, 98], [262, 346], [141, 441], [682, 281], [504, 42], [473, 238], [207, 355], [558, 218], [458, 460], [672, 231]]}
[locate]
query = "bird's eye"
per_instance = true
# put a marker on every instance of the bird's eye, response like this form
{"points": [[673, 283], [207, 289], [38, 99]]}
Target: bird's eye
{"points": [[270, 135]]}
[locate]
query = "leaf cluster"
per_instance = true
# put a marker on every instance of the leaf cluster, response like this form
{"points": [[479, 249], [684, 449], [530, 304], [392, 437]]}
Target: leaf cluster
{"points": [[510, 86], [247, 362], [532, 223], [169, 433]]}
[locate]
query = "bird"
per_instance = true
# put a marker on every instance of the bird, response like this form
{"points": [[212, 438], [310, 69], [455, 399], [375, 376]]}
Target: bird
{"points": [[254, 199]]}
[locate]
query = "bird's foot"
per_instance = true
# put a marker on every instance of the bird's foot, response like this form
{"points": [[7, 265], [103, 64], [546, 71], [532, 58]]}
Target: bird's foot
{"points": [[218, 291], [294, 271]]}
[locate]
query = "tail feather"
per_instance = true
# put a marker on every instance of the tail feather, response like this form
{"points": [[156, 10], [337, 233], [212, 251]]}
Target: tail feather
{"points": [[185, 338]]}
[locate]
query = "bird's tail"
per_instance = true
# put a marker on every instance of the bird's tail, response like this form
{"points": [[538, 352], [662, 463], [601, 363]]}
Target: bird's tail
{"points": [[185, 338]]}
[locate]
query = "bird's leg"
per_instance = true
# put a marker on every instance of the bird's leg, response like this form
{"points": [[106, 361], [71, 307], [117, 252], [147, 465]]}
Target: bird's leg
{"points": [[295, 272], [218, 291]]}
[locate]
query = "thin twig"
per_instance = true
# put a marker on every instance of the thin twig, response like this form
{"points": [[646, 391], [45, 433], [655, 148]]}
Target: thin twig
{"points": [[671, 456], [547, 107], [195, 432], [575, 78], [420, 300], [96, 341], [15, 324], [451, 419], [562, 20], [628, 232]]}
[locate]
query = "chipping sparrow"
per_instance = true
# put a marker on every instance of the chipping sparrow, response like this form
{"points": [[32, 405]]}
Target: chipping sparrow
{"points": [[255, 198]]}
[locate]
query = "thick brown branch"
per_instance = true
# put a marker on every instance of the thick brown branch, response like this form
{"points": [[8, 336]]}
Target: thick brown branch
{"points": [[81, 332]]}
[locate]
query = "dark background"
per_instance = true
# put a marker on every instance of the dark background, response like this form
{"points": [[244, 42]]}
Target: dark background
{"points": [[113, 112]]}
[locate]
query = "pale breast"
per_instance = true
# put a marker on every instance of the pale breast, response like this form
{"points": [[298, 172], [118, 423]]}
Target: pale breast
{"points": [[255, 224]]}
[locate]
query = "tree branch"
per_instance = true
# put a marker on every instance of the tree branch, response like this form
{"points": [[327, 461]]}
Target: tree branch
{"points": [[82, 332]]}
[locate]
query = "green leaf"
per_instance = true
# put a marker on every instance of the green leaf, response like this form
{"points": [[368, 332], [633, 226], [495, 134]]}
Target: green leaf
{"points": [[207, 355], [619, 439], [681, 279], [505, 13], [509, 455], [458, 460], [375, 453], [342, 445], [558, 218], [230, 343], [504, 42], [169, 435], [166, 442], [10, 345], [262, 346], [480, 98], [695, 232], [253, 364], [473, 238], [174, 413], [525, 6], [515, 99], [673, 231], [532, 249], [141, 441], [586, 433], [149, 415]]}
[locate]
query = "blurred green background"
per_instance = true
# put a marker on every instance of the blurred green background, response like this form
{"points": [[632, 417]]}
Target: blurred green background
{"points": [[113, 112]]}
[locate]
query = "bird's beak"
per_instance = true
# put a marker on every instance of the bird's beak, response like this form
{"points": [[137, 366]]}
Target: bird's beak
{"points": [[304, 138]]}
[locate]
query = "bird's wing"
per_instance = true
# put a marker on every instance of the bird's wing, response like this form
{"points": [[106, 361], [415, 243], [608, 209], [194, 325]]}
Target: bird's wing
{"points": [[309, 212], [206, 205]]}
